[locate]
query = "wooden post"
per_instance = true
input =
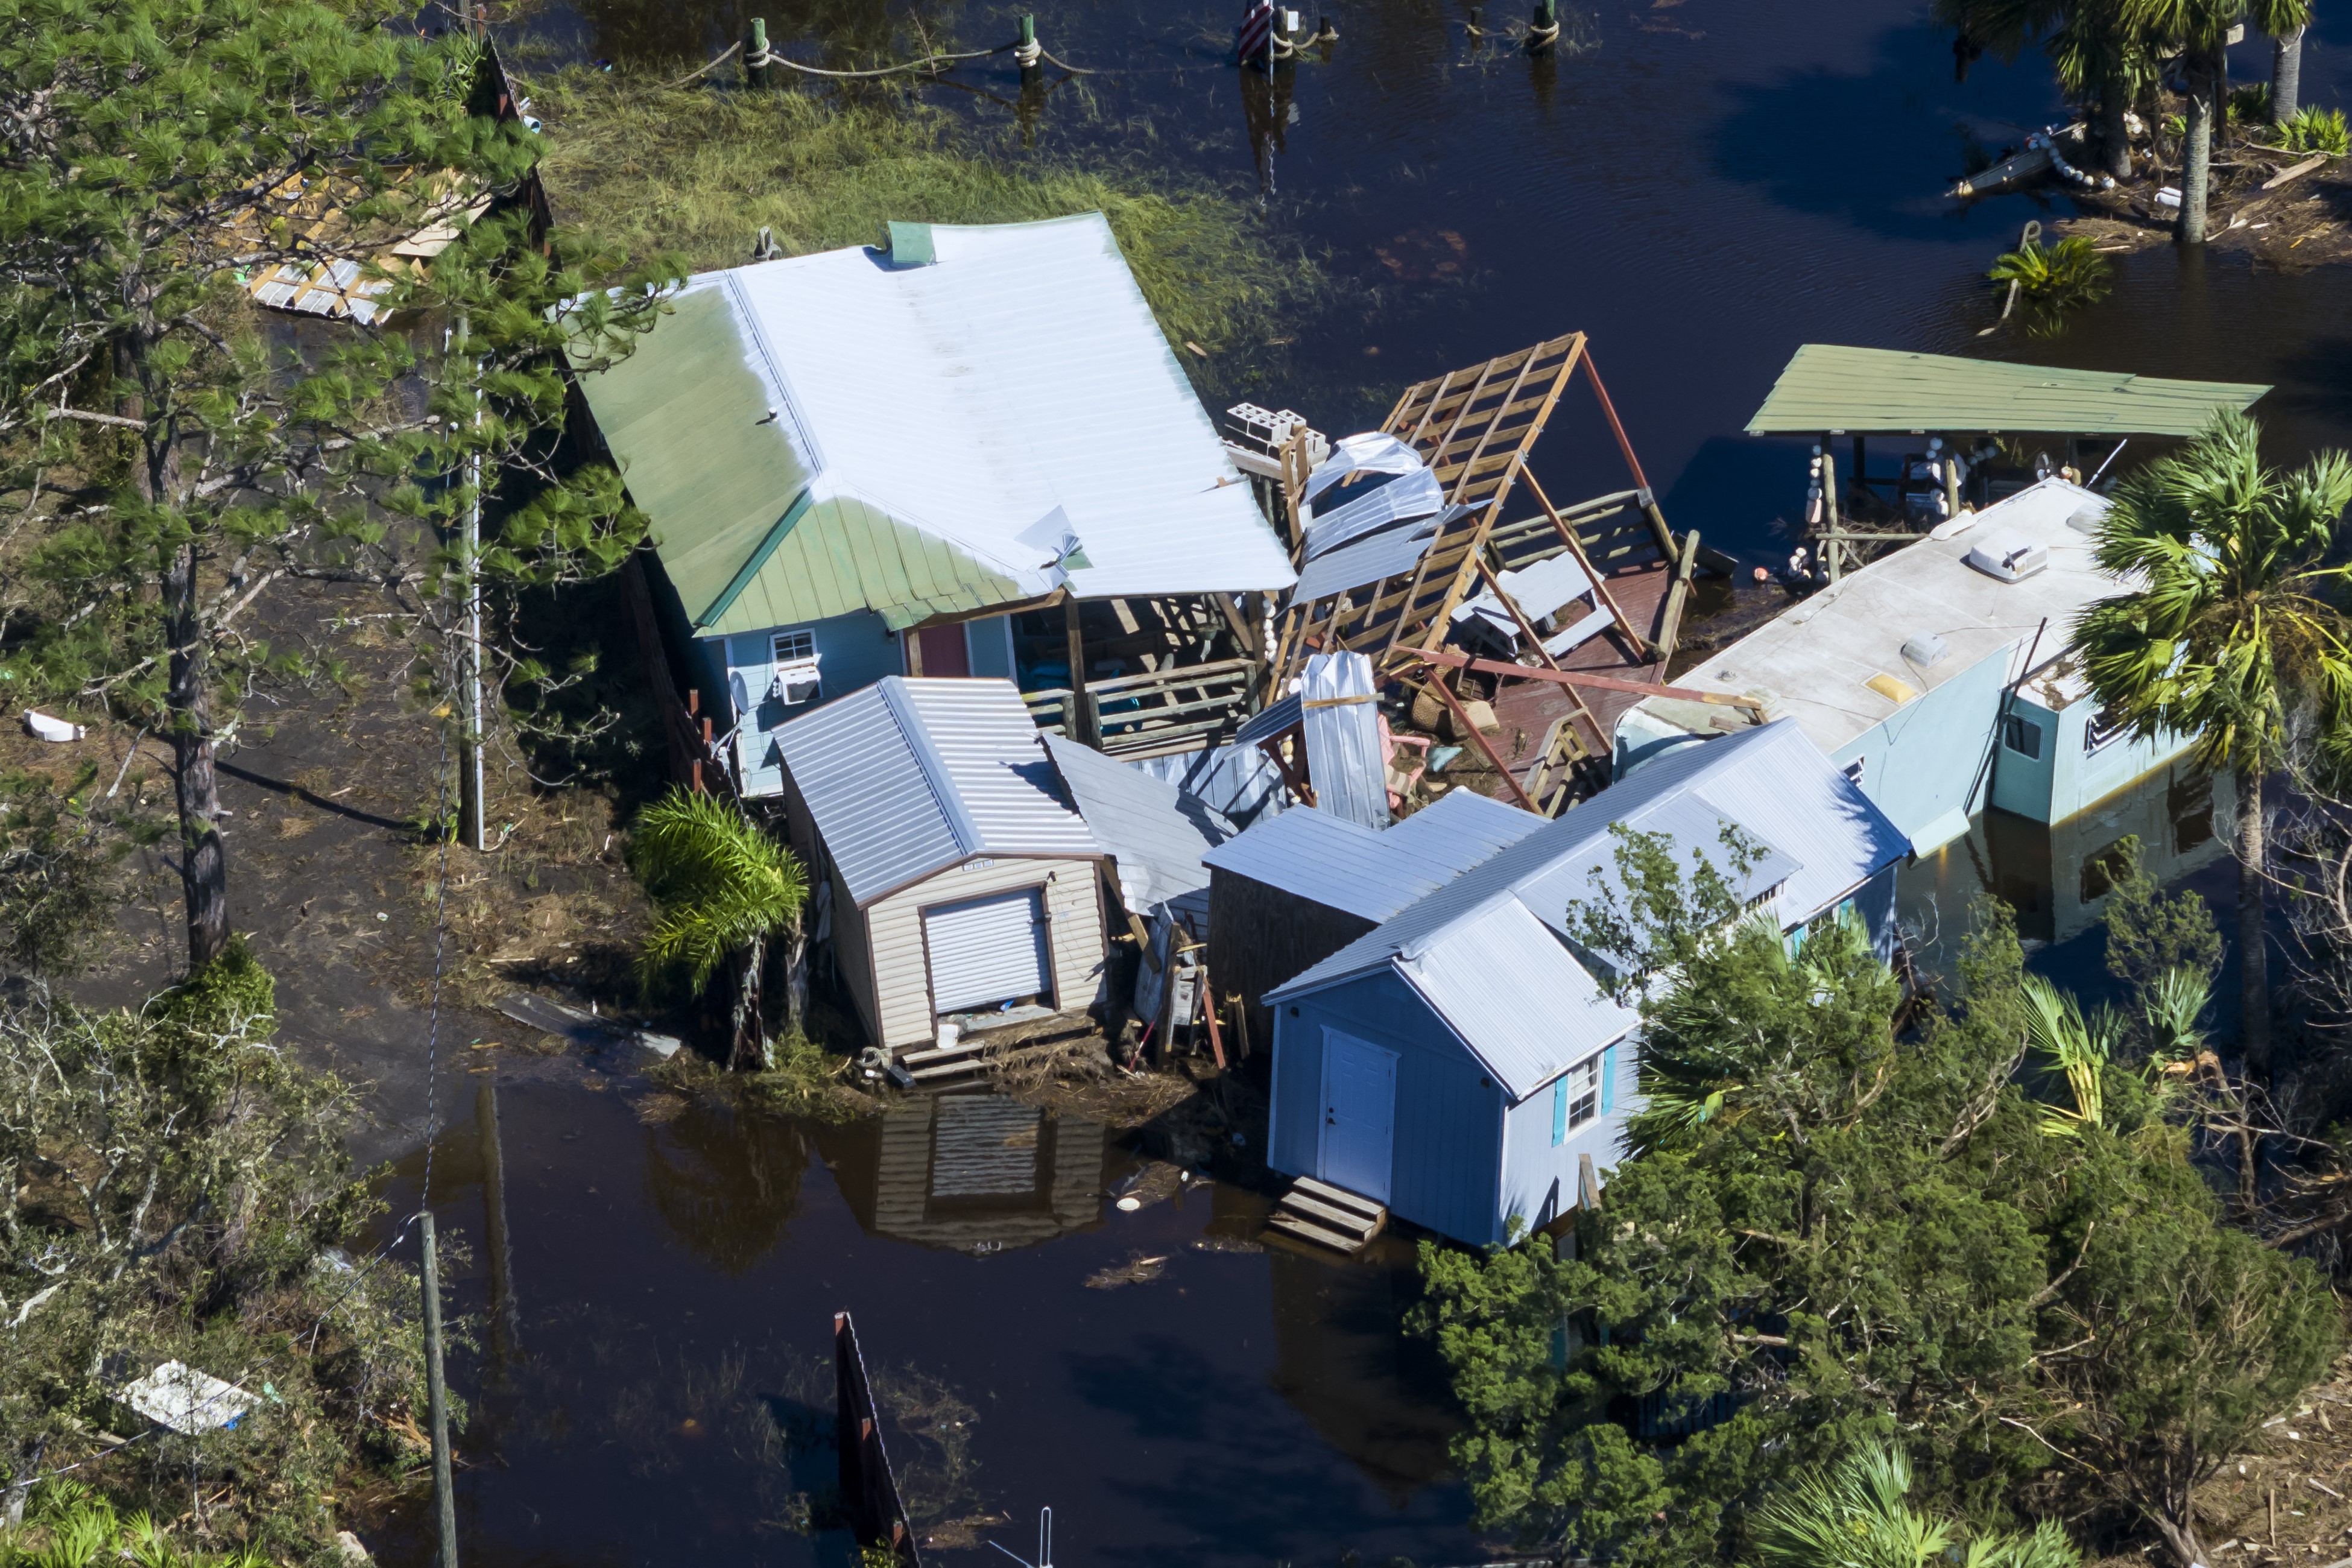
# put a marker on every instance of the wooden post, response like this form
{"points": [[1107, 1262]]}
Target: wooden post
{"points": [[1831, 512], [1861, 467], [756, 50], [436, 1397], [1081, 724], [1676, 596]]}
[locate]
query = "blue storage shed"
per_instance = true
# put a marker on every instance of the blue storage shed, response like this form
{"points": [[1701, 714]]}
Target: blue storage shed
{"points": [[1456, 1063]]}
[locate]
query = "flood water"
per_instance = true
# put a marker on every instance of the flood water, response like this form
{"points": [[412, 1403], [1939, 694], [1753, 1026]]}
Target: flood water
{"points": [[1702, 187]]}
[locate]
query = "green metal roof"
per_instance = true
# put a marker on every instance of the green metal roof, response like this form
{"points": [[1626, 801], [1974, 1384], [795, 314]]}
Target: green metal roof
{"points": [[1831, 388], [706, 459]]}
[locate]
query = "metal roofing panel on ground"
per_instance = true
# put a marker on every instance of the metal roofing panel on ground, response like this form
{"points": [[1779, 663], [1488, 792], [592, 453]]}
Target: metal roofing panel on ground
{"points": [[908, 777], [1514, 994], [1015, 390], [1815, 661], [1154, 831], [1240, 781], [1828, 386], [1343, 739], [1765, 780]]}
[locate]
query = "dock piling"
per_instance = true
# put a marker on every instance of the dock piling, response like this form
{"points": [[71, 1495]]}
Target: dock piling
{"points": [[755, 54], [436, 1397], [1544, 30], [1029, 52]]}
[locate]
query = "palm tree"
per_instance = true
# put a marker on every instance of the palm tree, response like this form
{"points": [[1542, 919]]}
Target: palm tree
{"points": [[2231, 630], [1856, 1516], [2285, 21], [721, 889], [2199, 31]]}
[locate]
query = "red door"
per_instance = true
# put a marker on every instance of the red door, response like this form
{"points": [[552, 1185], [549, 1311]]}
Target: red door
{"points": [[941, 651]]}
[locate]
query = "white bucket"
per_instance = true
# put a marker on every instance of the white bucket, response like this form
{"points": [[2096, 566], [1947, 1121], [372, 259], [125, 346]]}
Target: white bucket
{"points": [[948, 1033]]}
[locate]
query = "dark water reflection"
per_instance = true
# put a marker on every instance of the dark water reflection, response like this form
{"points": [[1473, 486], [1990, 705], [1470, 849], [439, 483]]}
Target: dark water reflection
{"points": [[1706, 187]]}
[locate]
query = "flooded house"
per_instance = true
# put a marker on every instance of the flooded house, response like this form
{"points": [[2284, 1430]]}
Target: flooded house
{"points": [[1937, 677], [966, 872], [1462, 1065], [969, 452]]}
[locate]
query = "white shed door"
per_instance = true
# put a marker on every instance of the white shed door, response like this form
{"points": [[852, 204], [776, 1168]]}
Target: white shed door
{"points": [[988, 951]]}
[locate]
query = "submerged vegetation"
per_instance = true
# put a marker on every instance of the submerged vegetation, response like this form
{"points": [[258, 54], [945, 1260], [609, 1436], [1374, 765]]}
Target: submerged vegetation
{"points": [[2052, 281], [698, 172]]}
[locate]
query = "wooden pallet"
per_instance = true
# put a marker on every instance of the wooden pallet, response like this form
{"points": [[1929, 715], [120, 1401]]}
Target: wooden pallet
{"points": [[1328, 1216]]}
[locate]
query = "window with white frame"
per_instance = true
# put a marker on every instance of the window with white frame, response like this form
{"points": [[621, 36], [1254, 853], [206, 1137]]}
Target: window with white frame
{"points": [[1575, 1099], [798, 679]]}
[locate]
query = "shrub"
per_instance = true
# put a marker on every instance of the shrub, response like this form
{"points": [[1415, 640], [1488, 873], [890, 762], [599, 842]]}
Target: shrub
{"points": [[2316, 130], [2053, 280]]}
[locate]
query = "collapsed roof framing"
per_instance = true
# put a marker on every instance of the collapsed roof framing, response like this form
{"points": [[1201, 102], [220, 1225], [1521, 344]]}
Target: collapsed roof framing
{"points": [[1474, 428]]}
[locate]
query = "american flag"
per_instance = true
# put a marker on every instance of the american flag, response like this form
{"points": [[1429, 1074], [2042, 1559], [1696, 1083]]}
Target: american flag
{"points": [[1257, 30]]}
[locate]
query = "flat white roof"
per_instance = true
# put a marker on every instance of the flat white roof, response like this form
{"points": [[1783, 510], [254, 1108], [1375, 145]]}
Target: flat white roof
{"points": [[1814, 663]]}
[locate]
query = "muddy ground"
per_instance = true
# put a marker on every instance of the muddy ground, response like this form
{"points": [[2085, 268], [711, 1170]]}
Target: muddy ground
{"points": [[2303, 223]]}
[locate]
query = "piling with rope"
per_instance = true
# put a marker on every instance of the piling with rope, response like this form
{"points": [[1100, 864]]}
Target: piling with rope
{"points": [[1029, 52], [1544, 32], [755, 54]]}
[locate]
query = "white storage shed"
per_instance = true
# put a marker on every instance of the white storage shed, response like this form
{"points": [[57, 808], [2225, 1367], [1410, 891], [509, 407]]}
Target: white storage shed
{"points": [[960, 879]]}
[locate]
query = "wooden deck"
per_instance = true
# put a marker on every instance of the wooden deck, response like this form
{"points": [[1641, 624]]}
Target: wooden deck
{"points": [[1528, 708]]}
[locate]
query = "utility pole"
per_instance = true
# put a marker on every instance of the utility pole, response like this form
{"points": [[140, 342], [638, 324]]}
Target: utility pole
{"points": [[437, 1394], [472, 830]]}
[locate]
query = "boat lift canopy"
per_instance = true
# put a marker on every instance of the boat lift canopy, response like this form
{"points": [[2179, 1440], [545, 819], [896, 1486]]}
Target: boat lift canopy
{"points": [[1834, 390]]}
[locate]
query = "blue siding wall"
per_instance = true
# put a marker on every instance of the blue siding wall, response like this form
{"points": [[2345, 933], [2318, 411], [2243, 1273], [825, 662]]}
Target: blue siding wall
{"points": [[1448, 1139], [1921, 763], [988, 645], [853, 651], [1540, 1177]]}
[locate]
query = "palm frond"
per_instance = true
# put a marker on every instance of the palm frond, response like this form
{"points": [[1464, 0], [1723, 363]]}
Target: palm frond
{"points": [[718, 884], [2077, 1046]]}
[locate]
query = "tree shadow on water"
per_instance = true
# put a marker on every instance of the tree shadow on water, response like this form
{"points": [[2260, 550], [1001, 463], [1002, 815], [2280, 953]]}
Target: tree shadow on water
{"points": [[1879, 148]]}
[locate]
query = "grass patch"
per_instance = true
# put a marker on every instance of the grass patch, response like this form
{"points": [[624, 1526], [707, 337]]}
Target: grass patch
{"points": [[696, 172]]}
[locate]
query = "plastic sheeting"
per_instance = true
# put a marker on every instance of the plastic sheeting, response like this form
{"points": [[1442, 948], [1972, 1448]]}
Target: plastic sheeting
{"points": [[1373, 452], [1342, 717]]}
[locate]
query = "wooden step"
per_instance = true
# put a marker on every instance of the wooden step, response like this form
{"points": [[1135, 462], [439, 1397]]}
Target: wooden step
{"points": [[1338, 1197], [1348, 1245], [931, 1054], [1345, 1220]]}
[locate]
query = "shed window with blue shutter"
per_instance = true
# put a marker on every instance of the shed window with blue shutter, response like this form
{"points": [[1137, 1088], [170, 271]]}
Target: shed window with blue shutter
{"points": [[1558, 1111], [1608, 1079]]}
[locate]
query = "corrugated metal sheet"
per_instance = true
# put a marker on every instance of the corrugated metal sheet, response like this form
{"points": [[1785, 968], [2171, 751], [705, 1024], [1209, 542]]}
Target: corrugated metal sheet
{"points": [[1831, 387], [1413, 494], [1508, 986], [1343, 739], [907, 777], [1270, 721], [1238, 780], [1333, 862], [1155, 832], [1462, 827], [953, 419], [1771, 781], [1390, 555]]}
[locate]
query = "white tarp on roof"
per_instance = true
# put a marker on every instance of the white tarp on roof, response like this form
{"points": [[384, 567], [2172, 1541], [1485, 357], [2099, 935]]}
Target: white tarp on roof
{"points": [[908, 777], [1008, 398]]}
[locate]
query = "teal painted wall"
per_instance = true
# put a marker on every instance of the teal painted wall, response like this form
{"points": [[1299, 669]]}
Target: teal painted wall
{"points": [[1926, 759]]}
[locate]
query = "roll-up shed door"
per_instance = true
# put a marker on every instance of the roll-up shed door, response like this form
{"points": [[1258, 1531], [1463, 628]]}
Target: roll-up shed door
{"points": [[988, 951]]}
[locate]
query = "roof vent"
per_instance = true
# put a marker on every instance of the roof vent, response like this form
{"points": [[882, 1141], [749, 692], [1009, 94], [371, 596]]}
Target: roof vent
{"points": [[2087, 520], [2010, 557], [910, 245], [1924, 648]]}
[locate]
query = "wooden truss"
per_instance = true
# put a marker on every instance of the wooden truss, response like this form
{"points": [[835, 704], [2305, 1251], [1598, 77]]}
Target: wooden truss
{"points": [[1474, 428]]}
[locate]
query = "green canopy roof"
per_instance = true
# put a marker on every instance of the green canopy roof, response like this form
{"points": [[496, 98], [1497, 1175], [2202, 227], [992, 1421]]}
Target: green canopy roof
{"points": [[1828, 388], [708, 462]]}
